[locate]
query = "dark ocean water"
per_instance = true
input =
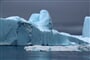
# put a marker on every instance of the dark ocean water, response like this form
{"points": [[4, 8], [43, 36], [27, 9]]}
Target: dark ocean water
{"points": [[18, 53]]}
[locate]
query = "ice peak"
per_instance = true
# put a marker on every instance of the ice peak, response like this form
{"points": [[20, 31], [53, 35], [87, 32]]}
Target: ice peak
{"points": [[86, 27], [41, 20]]}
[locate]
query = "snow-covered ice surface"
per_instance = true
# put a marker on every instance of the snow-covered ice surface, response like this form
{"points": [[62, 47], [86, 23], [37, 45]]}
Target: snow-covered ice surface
{"points": [[85, 39], [17, 18], [79, 37]]}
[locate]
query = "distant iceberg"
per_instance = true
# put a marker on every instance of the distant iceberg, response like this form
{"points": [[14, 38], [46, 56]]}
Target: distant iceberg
{"points": [[38, 30]]}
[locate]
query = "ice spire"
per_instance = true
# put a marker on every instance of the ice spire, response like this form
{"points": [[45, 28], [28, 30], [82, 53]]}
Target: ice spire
{"points": [[86, 27], [41, 20], [45, 19], [34, 19]]}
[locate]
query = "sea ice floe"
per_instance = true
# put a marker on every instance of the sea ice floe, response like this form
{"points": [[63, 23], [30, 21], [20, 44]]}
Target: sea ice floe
{"points": [[57, 48]]}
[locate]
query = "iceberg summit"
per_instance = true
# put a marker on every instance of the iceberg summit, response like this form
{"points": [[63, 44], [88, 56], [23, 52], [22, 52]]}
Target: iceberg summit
{"points": [[38, 30]]}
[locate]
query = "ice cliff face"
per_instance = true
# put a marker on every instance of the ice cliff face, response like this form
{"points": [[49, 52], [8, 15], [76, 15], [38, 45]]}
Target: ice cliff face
{"points": [[45, 34], [38, 30], [13, 32]]}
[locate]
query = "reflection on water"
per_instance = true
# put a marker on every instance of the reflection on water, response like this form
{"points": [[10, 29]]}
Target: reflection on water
{"points": [[18, 53]]}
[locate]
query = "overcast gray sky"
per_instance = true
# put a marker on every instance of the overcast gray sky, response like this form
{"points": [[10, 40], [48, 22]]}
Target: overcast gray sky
{"points": [[67, 15]]}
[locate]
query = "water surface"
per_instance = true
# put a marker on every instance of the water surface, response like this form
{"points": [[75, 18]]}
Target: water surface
{"points": [[18, 53]]}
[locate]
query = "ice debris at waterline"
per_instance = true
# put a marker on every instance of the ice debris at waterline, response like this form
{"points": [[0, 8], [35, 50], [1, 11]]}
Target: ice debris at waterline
{"points": [[38, 30], [57, 48]]}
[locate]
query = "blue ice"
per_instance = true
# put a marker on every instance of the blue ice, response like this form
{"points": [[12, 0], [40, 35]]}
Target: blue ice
{"points": [[38, 30], [86, 27], [12, 31], [41, 20]]}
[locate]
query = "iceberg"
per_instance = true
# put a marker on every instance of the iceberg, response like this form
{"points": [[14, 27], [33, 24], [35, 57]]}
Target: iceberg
{"points": [[38, 30]]}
